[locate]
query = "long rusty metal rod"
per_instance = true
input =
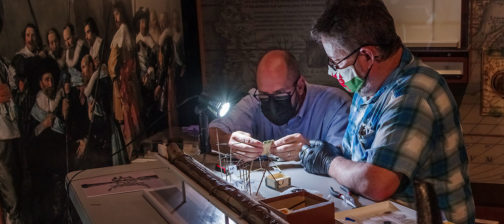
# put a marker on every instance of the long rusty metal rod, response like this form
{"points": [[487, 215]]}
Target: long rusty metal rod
{"points": [[249, 209]]}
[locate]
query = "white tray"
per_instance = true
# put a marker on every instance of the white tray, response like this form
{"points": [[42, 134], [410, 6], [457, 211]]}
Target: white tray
{"points": [[378, 213]]}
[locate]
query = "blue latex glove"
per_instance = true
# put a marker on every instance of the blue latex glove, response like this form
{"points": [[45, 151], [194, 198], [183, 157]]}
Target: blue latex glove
{"points": [[317, 157]]}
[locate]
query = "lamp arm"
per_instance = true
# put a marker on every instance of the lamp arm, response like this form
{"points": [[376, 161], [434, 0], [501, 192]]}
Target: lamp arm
{"points": [[187, 100]]}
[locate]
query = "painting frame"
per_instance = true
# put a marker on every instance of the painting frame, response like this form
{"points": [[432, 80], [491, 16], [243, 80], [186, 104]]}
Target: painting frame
{"points": [[492, 97]]}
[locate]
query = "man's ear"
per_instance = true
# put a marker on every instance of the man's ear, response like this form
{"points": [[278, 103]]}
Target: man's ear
{"points": [[371, 53]]}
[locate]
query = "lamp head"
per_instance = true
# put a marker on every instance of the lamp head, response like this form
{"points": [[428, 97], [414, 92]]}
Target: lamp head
{"points": [[207, 106], [216, 108], [224, 109]]}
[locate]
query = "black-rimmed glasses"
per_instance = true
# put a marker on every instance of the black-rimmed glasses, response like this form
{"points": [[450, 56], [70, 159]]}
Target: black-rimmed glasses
{"points": [[265, 97], [335, 65]]}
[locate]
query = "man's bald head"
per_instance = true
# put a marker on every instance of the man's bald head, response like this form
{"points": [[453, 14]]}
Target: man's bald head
{"points": [[277, 70]]}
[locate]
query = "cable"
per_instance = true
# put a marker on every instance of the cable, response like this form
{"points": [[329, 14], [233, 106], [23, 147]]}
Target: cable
{"points": [[68, 218], [67, 215], [92, 119], [187, 100]]}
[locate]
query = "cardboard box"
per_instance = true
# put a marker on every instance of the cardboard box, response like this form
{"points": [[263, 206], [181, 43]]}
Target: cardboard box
{"points": [[301, 207], [278, 181]]}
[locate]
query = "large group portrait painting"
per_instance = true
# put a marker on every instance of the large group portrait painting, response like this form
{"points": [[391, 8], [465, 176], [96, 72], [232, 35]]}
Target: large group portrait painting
{"points": [[83, 86]]}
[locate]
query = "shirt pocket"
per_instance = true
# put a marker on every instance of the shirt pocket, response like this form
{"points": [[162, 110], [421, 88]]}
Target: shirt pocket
{"points": [[366, 139]]}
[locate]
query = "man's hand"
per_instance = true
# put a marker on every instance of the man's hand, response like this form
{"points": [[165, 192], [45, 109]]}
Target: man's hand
{"points": [[82, 147], [48, 121], [245, 147], [317, 157], [67, 88], [148, 76], [288, 147], [157, 93], [82, 96], [21, 85], [91, 105], [65, 105], [5, 93]]}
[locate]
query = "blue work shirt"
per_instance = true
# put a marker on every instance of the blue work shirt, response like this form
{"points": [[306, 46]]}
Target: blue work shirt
{"points": [[323, 116]]}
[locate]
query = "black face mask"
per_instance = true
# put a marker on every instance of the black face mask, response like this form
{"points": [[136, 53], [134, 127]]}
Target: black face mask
{"points": [[278, 110]]}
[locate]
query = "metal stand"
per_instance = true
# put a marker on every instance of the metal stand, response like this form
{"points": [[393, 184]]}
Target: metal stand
{"points": [[183, 198]]}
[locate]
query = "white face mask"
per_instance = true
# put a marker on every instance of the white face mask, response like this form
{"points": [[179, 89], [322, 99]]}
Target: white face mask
{"points": [[347, 77]]}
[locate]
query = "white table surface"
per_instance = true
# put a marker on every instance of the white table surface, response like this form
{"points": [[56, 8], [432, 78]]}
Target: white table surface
{"points": [[132, 207]]}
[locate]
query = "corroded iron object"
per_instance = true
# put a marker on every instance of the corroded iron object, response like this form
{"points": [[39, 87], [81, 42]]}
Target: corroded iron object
{"points": [[249, 209]]}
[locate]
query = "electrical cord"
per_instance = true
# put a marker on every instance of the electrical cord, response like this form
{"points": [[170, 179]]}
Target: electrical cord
{"points": [[67, 218], [124, 148], [67, 213]]}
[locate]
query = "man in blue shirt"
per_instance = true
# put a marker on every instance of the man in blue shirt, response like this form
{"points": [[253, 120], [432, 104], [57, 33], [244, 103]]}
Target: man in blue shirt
{"points": [[404, 123], [285, 108]]}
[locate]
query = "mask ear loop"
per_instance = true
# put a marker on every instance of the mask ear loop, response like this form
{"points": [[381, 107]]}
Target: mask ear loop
{"points": [[369, 71], [366, 76]]}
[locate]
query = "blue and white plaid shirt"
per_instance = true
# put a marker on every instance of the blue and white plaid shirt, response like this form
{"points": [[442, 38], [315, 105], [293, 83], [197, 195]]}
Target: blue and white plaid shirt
{"points": [[411, 126]]}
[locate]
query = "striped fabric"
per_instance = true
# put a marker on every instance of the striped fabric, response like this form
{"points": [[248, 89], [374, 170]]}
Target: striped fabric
{"points": [[412, 126]]}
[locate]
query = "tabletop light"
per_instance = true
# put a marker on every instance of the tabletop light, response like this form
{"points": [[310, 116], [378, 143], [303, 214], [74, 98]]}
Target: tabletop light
{"points": [[208, 107]]}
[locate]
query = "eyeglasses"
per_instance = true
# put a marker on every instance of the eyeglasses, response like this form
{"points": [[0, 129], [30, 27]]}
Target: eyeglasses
{"points": [[278, 96], [265, 97], [335, 65]]}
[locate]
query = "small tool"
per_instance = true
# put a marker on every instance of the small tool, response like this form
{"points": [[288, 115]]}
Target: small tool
{"points": [[349, 195], [346, 198]]}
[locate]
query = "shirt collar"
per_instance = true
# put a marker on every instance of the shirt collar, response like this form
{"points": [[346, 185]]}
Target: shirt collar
{"points": [[27, 52], [304, 108], [406, 59]]}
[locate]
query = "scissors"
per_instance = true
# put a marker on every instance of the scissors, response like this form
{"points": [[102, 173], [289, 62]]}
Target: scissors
{"points": [[347, 198]]}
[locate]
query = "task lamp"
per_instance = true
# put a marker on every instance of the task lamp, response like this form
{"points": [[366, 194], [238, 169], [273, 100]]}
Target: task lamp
{"points": [[208, 108]]}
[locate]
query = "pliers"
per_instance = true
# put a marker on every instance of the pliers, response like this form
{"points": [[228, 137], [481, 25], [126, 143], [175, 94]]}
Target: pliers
{"points": [[347, 198]]}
